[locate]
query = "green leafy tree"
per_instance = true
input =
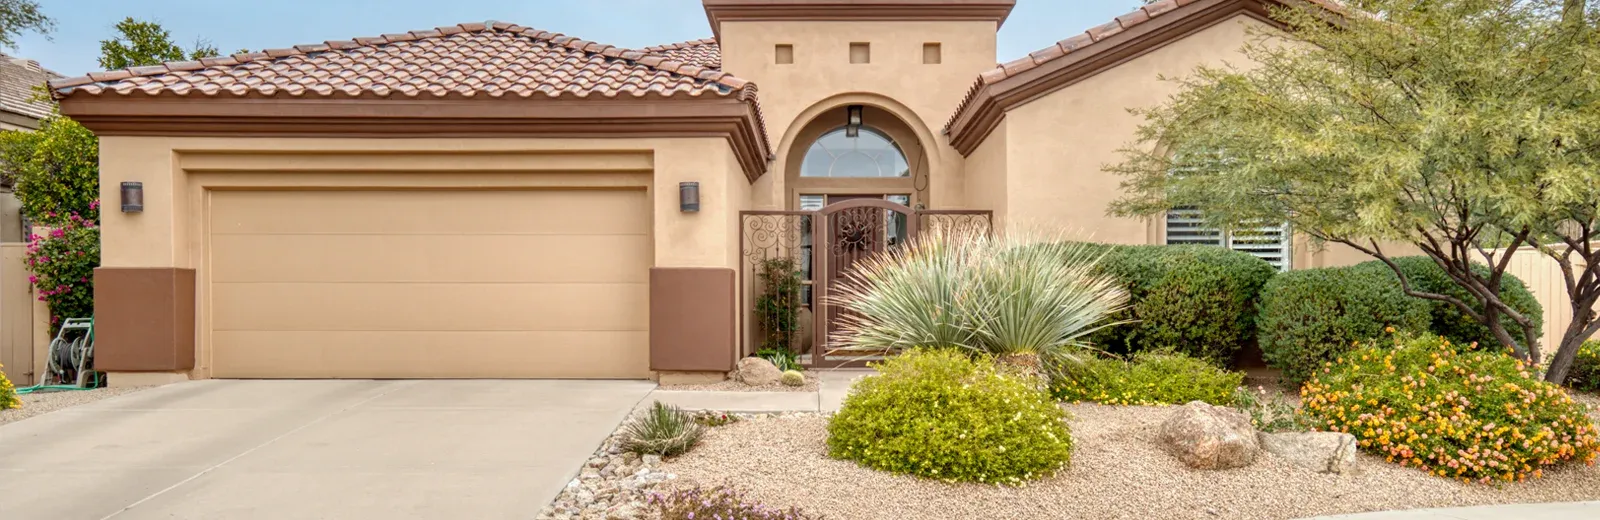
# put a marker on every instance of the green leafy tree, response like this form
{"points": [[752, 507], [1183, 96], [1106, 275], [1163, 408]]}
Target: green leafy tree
{"points": [[1457, 126], [139, 43], [21, 16], [55, 170]]}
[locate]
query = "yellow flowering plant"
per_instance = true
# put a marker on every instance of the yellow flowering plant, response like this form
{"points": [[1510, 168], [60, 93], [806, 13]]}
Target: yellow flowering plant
{"points": [[1472, 416], [8, 393], [1585, 373]]}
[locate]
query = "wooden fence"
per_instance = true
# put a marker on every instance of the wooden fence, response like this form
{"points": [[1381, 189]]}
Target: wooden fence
{"points": [[24, 320], [1546, 282]]}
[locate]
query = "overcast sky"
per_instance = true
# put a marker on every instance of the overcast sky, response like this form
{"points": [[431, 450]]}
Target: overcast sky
{"points": [[231, 25]]}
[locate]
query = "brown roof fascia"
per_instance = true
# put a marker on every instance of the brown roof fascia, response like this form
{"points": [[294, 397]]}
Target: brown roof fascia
{"points": [[718, 11], [1000, 90], [736, 120]]}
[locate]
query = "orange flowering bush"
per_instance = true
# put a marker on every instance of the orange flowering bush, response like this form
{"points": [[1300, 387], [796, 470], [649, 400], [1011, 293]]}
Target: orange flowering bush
{"points": [[1474, 416]]}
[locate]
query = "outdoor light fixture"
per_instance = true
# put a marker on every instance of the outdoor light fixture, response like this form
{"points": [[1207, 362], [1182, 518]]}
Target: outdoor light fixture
{"points": [[852, 125], [689, 197], [132, 197]]}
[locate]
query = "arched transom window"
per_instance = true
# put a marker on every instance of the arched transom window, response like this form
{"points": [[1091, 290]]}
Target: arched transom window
{"points": [[869, 154]]}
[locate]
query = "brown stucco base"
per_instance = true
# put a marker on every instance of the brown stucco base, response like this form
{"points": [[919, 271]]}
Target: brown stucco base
{"points": [[691, 319], [144, 319]]}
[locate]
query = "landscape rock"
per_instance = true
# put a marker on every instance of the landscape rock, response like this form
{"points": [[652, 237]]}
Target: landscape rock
{"points": [[1327, 452], [1210, 437], [755, 371]]}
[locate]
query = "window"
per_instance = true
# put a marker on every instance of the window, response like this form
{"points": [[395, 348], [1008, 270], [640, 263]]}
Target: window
{"points": [[869, 154], [931, 54], [1186, 226], [860, 52], [783, 54]]}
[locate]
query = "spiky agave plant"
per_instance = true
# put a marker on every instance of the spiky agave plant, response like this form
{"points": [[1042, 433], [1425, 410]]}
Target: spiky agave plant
{"points": [[1030, 299]]}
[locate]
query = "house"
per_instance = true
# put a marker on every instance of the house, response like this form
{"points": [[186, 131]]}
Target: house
{"points": [[22, 105], [495, 200]]}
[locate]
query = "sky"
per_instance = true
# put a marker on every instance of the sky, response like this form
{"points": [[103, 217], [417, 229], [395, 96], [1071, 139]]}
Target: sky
{"points": [[73, 48]]}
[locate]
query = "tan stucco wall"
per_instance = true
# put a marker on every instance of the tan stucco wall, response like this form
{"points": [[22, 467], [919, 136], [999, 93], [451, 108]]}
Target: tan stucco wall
{"points": [[179, 174], [986, 172], [822, 78], [8, 126]]}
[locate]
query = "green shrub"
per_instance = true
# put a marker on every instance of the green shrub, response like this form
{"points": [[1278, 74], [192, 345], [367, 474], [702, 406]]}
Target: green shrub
{"points": [[1311, 316], [778, 306], [781, 358], [1472, 416], [1585, 372], [8, 393], [1270, 411], [56, 170], [663, 430], [940, 415], [1008, 295], [721, 502], [1151, 378], [1449, 321], [1197, 300]]}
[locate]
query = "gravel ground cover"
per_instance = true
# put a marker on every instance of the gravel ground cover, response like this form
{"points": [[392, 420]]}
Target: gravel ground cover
{"points": [[1118, 471], [46, 402], [729, 385]]}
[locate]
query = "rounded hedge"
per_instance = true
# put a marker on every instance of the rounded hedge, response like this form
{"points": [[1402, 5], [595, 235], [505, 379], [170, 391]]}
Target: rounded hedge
{"points": [[1196, 300], [1449, 321], [940, 415], [1150, 378], [1473, 416], [1585, 372], [1311, 316]]}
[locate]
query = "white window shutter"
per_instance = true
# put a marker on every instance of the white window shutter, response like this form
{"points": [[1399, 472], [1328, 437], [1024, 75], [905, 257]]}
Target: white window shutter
{"points": [[1186, 226]]}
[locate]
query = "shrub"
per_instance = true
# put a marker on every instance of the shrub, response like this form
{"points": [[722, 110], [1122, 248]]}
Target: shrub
{"points": [[778, 307], [1449, 321], [63, 264], [1011, 295], [721, 502], [1585, 372], [940, 415], [1197, 300], [784, 359], [1473, 416], [56, 170], [663, 430], [8, 393], [1269, 411], [1311, 316], [1151, 378], [793, 378]]}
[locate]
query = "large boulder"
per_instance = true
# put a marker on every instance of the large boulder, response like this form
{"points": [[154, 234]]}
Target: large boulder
{"points": [[1327, 452], [755, 371], [1210, 437]]}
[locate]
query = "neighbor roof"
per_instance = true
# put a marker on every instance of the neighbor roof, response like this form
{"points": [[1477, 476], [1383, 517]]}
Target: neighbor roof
{"points": [[1057, 66], [18, 78], [703, 52], [466, 60]]}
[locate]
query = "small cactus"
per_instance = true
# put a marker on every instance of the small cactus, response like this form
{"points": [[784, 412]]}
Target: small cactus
{"points": [[793, 378]]}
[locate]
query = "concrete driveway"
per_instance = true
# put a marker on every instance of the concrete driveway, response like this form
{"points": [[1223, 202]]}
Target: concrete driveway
{"points": [[311, 449]]}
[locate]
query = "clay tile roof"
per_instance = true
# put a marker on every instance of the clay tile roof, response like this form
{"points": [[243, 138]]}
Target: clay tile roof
{"points": [[18, 77], [703, 52], [1090, 41], [463, 60]]}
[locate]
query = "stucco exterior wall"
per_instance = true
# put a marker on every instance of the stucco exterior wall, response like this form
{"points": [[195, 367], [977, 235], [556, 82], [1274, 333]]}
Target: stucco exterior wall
{"points": [[986, 174], [8, 126], [896, 80], [180, 174]]}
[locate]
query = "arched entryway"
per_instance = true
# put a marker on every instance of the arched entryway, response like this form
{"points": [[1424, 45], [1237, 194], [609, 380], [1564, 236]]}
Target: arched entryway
{"points": [[853, 152]]}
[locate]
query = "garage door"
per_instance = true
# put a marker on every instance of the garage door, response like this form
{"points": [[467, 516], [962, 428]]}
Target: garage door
{"points": [[430, 284]]}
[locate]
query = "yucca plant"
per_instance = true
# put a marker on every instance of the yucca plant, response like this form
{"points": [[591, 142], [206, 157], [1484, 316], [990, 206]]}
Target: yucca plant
{"points": [[663, 430], [1029, 299]]}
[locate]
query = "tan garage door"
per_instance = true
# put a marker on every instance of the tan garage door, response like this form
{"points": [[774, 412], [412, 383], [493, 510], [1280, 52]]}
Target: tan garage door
{"points": [[422, 284]]}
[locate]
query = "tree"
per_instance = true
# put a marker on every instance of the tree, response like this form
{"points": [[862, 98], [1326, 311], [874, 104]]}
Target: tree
{"points": [[140, 43], [55, 169], [1468, 128], [20, 16]]}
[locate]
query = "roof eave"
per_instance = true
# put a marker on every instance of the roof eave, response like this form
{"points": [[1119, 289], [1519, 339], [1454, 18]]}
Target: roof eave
{"points": [[718, 11]]}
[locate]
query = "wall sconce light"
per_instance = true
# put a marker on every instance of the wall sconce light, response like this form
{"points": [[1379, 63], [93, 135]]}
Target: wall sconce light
{"points": [[132, 197], [689, 197], [852, 125]]}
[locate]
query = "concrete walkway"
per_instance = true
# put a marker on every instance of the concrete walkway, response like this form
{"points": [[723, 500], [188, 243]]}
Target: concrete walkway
{"points": [[1561, 511], [835, 385], [311, 449]]}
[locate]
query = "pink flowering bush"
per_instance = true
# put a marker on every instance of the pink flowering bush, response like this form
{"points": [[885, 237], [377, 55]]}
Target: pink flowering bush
{"points": [[63, 262]]}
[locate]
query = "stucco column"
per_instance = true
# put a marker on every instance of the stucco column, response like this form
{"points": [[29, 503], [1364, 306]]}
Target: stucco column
{"points": [[144, 288]]}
